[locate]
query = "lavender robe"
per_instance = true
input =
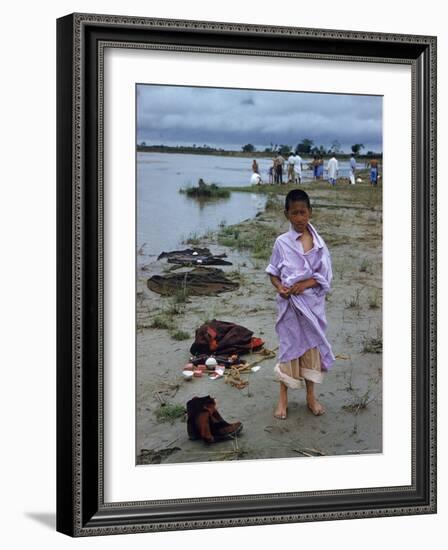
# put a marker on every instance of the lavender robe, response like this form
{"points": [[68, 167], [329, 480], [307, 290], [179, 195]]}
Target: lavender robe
{"points": [[301, 321]]}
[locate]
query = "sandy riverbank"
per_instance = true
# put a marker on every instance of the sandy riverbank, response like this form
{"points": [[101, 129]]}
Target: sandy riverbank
{"points": [[350, 220]]}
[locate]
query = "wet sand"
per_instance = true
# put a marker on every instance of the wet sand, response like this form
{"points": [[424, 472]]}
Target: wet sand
{"points": [[350, 220]]}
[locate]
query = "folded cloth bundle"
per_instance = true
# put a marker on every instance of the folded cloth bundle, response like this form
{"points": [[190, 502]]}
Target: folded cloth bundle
{"points": [[200, 281], [194, 256], [224, 338]]}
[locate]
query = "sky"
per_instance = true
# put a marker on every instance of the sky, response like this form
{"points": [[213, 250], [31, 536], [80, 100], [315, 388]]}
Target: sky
{"points": [[230, 118]]}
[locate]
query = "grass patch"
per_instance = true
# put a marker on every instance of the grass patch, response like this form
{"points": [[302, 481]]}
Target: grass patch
{"points": [[261, 189], [237, 275], [364, 196], [333, 239], [365, 266], [231, 232], [374, 300], [358, 403], [350, 386], [340, 270], [141, 326], [193, 238], [180, 296], [257, 240], [206, 191], [162, 321], [150, 456], [175, 308], [273, 202], [180, 335], [261, 245], [170, 412], [373, 345], [353, 302]]}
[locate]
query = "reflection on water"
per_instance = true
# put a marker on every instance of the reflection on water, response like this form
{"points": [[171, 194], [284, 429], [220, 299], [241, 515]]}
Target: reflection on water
{"points": [[203, 202]]}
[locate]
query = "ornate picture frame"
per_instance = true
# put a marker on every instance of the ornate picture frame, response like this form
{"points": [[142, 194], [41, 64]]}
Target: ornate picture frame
{"points": [[81, 506]]}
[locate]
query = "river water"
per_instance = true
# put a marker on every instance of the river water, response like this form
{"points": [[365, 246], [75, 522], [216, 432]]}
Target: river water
{"points": [[165, 217]]}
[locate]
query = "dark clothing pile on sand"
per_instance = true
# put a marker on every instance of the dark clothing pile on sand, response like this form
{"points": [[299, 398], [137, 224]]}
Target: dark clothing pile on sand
{"points": [[194, 256], [200, 281], [224, 338]]}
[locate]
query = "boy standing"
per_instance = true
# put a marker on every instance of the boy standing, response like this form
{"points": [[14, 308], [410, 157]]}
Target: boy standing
{"points": [[300, 270]]}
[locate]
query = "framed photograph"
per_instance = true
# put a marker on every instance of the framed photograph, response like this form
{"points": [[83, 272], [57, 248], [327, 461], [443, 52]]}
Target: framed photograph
{"points": [[246, 274]]}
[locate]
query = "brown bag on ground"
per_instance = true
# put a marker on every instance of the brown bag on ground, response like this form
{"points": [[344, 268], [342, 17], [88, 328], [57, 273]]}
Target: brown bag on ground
{"points": [[204, 421]]}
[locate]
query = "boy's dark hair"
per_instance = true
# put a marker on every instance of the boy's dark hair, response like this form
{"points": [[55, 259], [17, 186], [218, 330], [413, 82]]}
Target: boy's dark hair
{"points": [[297, 195]]}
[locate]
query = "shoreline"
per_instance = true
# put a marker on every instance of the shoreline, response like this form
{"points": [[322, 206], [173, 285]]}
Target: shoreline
{"points": [[242, 154]]}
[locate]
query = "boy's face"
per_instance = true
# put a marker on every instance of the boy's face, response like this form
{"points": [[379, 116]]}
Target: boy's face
{"points": [[298, 215]]}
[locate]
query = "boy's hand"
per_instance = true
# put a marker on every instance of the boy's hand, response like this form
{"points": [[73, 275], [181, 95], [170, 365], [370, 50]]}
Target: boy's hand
{"points": [[284, 291], [299, 287], [279, 287]]}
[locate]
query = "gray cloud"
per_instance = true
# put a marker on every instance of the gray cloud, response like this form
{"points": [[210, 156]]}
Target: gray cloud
{"points": [[229, 118]]}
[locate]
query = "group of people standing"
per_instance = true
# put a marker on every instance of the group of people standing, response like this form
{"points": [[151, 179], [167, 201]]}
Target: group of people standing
{"points": [[294, 166], [333, 169], [277, 169], [293, 169]]}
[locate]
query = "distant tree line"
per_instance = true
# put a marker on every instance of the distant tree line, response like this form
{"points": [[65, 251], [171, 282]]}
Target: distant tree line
{"points": [[306, 147], [197, 149]]}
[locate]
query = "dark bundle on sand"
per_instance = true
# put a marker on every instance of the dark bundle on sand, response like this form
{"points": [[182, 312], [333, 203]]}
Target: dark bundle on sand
{"points": [[205, 422], [190, 251], [200, 281], [224, 337], [194, 256]]}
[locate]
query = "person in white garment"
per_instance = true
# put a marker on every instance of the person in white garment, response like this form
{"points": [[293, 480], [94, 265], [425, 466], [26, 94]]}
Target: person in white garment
{"points": [[352, 174], [291, 172], [332, 169], [298, 168], [255, 179]]}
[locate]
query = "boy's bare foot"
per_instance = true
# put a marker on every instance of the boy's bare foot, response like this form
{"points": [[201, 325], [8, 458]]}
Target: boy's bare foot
{"points": [[315, 407], [281, 412], [282, 407]]}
